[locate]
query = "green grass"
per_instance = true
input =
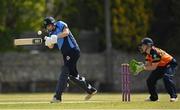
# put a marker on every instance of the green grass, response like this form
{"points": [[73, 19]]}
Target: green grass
{"points": [[111, 101]]}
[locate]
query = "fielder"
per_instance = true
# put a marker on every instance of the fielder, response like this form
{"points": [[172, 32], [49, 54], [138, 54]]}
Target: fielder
{"points": [[60, 34], [162, 66]]}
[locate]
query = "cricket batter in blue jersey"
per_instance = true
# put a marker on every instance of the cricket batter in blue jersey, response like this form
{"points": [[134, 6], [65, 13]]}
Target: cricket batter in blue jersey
{"points": [[60, 34]]}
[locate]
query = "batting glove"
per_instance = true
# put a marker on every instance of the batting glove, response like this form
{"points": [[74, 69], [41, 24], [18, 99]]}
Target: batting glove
{"points": [[48, 41], [54, 39]]}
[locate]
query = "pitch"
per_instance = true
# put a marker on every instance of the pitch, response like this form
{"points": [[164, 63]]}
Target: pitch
{"points": [[40, 101]]}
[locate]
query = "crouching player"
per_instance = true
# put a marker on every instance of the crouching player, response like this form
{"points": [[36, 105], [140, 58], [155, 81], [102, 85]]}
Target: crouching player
{"points": [[162, 66], [60, 34]]}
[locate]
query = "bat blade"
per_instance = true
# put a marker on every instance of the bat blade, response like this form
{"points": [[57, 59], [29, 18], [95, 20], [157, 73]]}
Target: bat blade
{"points": [[28, 41]]}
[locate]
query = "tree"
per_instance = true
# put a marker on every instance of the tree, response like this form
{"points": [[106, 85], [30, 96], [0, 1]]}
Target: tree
{"points": [[130, 22], [165, 27], [17, 16]]}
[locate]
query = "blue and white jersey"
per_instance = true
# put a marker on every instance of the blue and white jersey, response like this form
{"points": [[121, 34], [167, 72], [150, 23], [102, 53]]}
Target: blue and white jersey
{"points": [[66, 43]]}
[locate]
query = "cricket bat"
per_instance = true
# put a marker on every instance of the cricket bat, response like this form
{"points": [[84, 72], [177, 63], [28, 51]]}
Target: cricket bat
{"points": [[28, 41]]}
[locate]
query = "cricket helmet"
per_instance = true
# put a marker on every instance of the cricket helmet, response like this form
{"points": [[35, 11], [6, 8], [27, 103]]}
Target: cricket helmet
{"points": [[147, 41], [49, 20]]}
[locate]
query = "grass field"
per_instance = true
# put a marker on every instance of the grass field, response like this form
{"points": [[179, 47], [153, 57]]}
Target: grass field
{"points": [[40, 101]]}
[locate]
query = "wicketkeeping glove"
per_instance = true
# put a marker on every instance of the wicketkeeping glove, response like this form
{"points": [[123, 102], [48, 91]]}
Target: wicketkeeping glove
{"points": [[136, 67]]}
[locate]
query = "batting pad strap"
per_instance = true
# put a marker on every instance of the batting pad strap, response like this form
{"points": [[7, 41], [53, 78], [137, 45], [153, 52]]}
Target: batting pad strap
{"points": [[80, 81], [89, 86], [80, 78]]}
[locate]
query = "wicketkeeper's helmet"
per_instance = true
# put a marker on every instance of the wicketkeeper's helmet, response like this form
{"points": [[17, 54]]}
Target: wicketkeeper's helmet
{"points": [[49, 20], [147, 41]]}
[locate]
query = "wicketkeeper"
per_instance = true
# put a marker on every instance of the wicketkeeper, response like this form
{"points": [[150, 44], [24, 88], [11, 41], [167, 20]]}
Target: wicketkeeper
{"points": [[60, 34], [162, 66]]}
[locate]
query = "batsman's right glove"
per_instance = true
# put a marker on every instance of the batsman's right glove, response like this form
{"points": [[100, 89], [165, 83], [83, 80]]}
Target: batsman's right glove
{"points": [[54, 39], [48, 41], [136, 67]]}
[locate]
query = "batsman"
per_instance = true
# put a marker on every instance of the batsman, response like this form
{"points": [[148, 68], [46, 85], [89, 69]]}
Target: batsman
{"points": [[60, 34], [162, 65]]}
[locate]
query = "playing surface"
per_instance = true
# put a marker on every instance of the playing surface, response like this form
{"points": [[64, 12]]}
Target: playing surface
{"points": [[40, 101]]}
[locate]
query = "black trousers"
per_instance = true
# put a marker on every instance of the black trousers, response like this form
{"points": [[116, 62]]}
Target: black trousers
{"points": [[166, 74], [70, 61], [69, 72]]}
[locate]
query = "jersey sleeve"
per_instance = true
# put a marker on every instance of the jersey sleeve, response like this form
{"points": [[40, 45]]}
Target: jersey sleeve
{"points": [[61, 25], [148, 58], [155, 56]]}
